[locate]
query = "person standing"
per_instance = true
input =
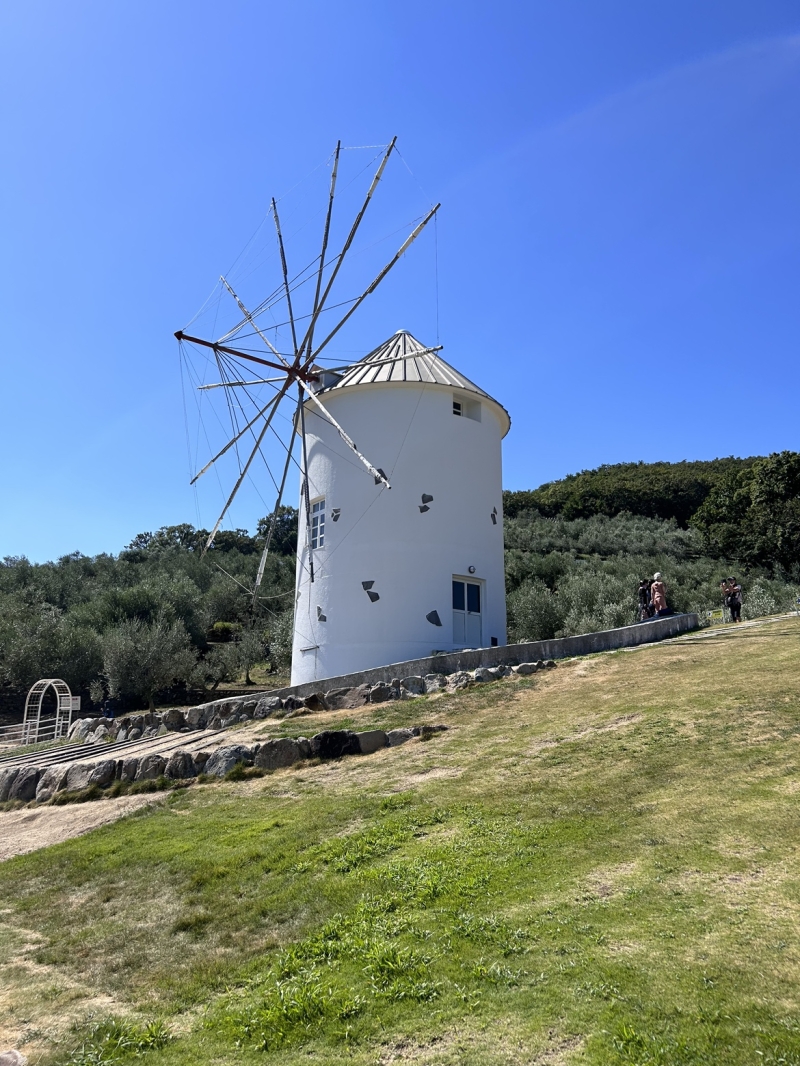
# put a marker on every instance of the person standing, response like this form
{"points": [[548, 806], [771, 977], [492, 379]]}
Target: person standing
{"points": [[735, 599], [644, 600], [658, 594]]}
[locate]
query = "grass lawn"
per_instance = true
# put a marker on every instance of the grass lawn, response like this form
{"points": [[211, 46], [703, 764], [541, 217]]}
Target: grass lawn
{"points": [[598, 865]]}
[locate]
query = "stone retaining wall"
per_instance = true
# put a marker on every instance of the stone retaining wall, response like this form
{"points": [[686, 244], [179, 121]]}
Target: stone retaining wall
{"points": [[383, 683], [29, 784], [508, 655]]}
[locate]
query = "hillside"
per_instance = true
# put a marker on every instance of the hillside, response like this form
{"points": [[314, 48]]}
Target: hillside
{"points": [[590, 866], [653, 490], [576, 550]]}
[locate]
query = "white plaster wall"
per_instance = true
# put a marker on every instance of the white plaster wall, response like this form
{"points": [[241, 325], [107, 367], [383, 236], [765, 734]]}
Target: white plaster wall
{"points": [[410, 432]]}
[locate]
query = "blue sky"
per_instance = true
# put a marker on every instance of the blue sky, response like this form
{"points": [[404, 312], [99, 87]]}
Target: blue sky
{"points": [[617, 254]]}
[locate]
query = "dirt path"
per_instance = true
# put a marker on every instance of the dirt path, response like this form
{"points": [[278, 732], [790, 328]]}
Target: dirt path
{"points": [[30, 829]]}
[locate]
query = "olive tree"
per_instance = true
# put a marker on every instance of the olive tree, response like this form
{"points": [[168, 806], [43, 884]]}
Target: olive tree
{"points": [[139, 658]]}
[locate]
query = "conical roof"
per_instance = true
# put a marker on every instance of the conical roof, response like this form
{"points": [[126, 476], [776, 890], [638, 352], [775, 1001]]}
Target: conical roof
{"points": [[403, 358]]}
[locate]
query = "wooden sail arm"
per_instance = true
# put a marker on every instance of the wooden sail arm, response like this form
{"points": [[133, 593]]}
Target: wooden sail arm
{"points": [[263, 562], [245, 468], [295, 371], [320, 303], [286, 286], [377, 474], [404, 248], [308, 340], [273, 403], [250, 319]]}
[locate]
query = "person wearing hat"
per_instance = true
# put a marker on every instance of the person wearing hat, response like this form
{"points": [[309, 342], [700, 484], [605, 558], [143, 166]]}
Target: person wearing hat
{"points": [[658, 593]]}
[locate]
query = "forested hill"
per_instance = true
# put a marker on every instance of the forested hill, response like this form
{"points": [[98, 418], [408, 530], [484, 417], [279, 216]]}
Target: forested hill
{"points": [[162, 614], [653, 490]]}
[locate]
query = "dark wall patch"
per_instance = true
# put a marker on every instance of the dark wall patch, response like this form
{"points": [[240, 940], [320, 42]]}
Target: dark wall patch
{"points": [[373, 596], [320, 616], [382, 473], [433, 618], [336, 513]]}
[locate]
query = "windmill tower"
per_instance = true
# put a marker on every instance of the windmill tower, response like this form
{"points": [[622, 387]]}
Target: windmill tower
{"points": [[401, 545], [389, 575]]}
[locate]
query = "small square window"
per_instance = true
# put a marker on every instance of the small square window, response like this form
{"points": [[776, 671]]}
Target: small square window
{"points": [[466, 408], [318, 523]]}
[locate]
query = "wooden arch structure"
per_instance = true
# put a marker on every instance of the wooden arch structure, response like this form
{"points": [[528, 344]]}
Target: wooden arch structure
{"points": [[66, 703]]}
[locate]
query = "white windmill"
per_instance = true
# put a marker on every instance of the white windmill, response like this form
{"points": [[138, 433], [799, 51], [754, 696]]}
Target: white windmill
{"points": [[400, 550]]}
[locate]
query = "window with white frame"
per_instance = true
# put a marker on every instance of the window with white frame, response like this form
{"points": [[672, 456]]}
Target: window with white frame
{"points": [[464, 408], [318, 523]]}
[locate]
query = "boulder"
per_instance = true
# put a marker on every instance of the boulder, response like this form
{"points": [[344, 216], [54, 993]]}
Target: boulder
{"points": [[425, 732], [78, 776], [413, 686], [457, 681], [435, 683], [249, 707], [200, 760], [215, 723], [52, 780], [524, 669], [266, 706], [6, 781], [292, 703], [335, 698], [13, 1058], [232, 719], [224, 759], [550, 664], [399, 736], [196, 717], [79, 730], [100, 736], [103, 773], [372, 740], [487, 673], [333, 743], [134, 734], [162, 730], [180, 765], [129, 768], [355, 697], [381, 693], [540, 665], [276, 754], [150, 767], [230, 707], [122, 736], [315, 702], [24, 785], [174, 719], [305, 747]]}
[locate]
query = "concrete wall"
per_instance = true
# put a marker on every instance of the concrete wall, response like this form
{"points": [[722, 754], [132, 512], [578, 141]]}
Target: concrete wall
{"points": [[408, 429], [511, 654]]}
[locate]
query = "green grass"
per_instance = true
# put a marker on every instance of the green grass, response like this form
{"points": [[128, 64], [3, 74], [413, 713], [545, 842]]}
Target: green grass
{"points": [[596, 865]]}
